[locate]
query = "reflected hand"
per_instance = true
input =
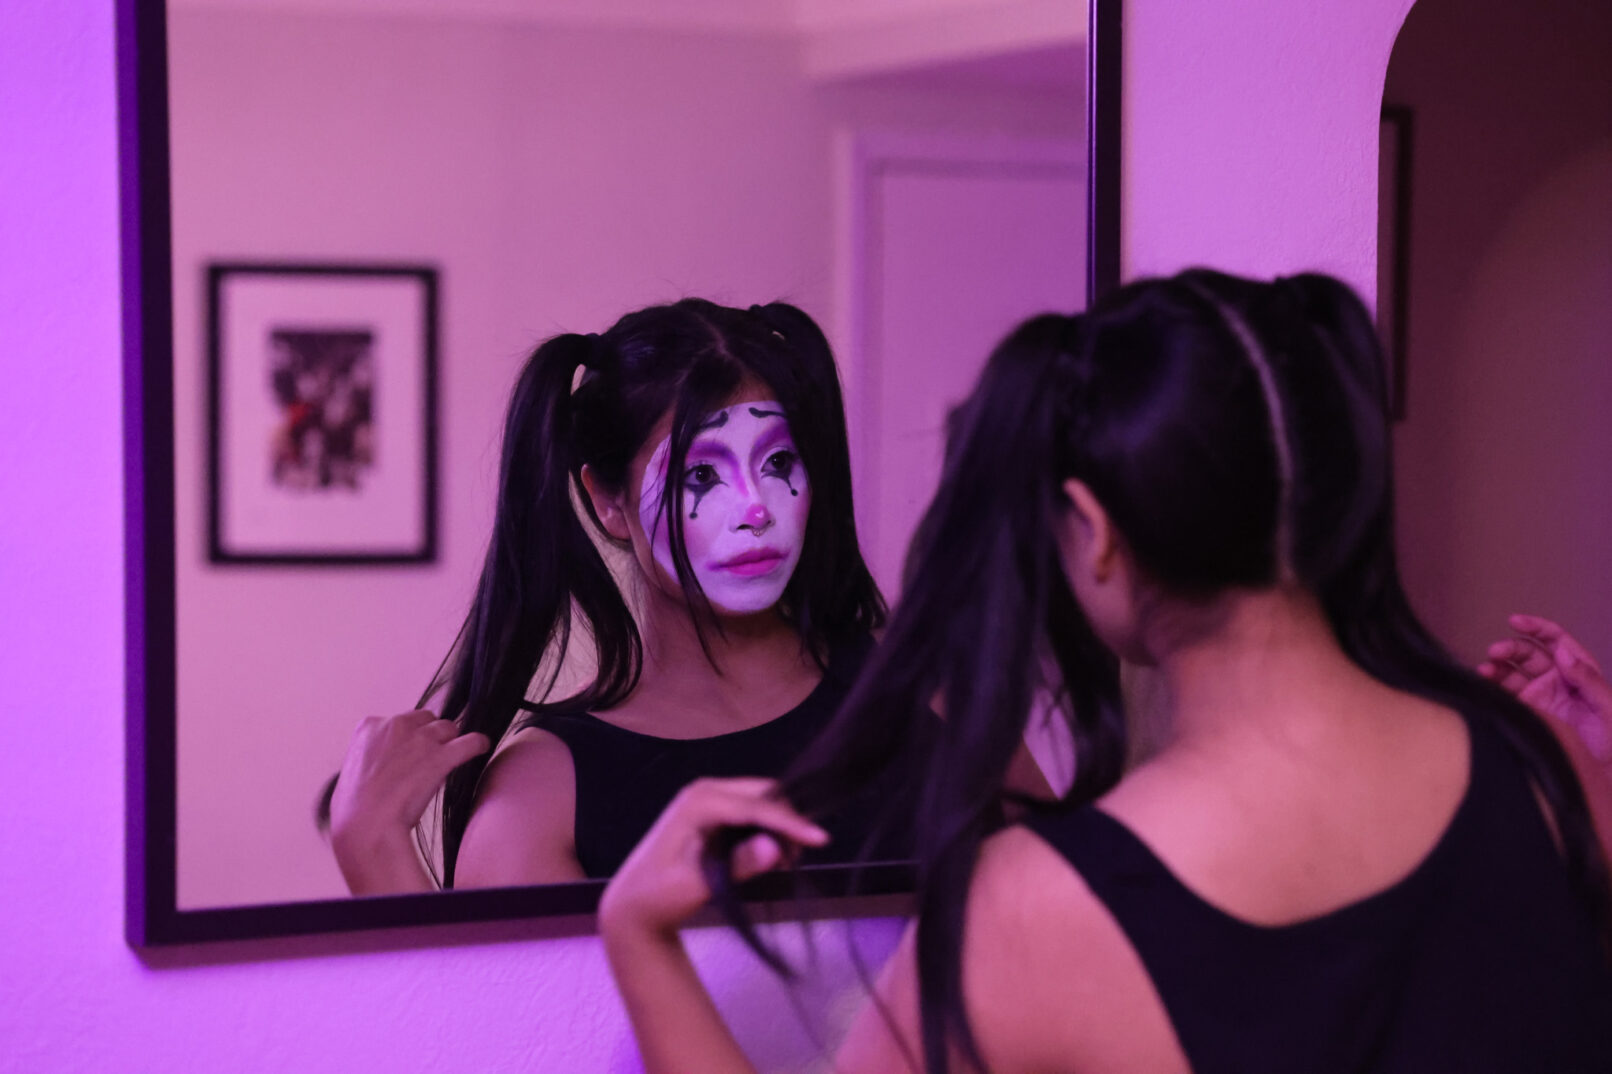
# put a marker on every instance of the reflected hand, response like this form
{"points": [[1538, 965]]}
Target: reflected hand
{"points": [[661, 884], [393, 768], [1548, 670]]}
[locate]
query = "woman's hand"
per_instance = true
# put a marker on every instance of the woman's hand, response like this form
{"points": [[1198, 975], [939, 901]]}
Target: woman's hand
{"points": [[662, 884], [658, 888], [394, 767], [1548, 670]]}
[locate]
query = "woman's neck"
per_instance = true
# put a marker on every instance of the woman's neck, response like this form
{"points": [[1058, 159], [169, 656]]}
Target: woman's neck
{"points": [[747, 664], [1268, 662]]}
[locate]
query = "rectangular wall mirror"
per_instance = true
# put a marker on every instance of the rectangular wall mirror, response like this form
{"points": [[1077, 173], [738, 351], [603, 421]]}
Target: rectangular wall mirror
{"points": [[464, 181]]}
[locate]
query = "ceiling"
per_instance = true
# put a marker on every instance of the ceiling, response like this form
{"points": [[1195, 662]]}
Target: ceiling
{"points": [[839, 38]]}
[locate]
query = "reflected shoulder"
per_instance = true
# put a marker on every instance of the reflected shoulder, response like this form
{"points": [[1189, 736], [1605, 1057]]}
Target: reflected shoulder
{"points": [[522, 830]]}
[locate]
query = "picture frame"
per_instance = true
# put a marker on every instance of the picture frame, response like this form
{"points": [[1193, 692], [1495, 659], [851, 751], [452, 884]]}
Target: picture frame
{"points": [[1393, 247], [322, 413]]}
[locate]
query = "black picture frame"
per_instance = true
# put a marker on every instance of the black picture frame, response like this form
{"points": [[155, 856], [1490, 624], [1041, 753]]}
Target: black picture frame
{"points": [[1393, 247], [154, 924], [270, 501]]}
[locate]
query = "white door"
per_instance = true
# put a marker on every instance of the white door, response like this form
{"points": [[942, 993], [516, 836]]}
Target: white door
{"points": [[953, 245]]}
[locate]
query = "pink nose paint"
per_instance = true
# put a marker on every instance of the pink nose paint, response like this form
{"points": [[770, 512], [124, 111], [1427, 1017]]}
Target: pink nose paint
{"points": [[757, 515]]}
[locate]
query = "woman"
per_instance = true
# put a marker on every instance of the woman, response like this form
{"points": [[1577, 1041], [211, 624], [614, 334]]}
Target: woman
{"points": [[1342, 852], [708, 445]]}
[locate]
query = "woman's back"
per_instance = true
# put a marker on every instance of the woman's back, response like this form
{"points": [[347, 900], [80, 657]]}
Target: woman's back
{"points": [[1184, 922]]}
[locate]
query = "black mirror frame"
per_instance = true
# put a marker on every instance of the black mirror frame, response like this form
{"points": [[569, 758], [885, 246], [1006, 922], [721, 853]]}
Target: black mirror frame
{"points": [[152, 916]]}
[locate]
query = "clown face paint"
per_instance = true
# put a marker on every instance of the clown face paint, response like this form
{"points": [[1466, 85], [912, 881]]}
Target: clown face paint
{"points": [[745, 499]]}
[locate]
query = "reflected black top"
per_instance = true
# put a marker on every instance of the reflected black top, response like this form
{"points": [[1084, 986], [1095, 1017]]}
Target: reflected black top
{"points": [[1481, 960], [625, 779]]}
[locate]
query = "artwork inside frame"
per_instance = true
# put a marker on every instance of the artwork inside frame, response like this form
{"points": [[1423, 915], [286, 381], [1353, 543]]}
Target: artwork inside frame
{"points": [[322, 445], [1393, 247]]}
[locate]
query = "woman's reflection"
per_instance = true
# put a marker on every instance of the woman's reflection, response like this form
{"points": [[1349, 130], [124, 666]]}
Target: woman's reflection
{"points": [[710, 443]]}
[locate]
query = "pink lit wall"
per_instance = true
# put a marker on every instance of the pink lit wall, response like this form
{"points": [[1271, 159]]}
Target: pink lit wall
{"points": [[1503, 461], [1250, 142], [1250, 135]]}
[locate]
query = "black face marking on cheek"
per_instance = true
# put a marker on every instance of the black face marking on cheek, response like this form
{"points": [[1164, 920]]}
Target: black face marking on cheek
{"points": [[787, 476], [757, 412], [698, 494]]}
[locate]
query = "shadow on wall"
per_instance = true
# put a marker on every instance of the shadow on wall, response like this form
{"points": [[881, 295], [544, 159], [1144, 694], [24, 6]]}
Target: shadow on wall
{"points": [[1503, 497]]}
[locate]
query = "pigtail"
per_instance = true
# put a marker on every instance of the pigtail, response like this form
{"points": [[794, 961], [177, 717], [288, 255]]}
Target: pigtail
{"points": [[541, 571], [985, 587], [845, 603]]}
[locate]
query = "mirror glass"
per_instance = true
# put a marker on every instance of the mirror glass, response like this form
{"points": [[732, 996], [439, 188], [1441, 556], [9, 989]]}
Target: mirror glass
{"points": [[912, 174]]}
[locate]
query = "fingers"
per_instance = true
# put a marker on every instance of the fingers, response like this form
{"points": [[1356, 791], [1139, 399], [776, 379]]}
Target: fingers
{"points": [[757, 786], [1524, 655], [462, 748], [735, 803], [1552, 637], [1504, 676], [755, 856], [707, 805], [1536, 626], [664, 880], [1580, 675], [442, 730], [1514, 664]]}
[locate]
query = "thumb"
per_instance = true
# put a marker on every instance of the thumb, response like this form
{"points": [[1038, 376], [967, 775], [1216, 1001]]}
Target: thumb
{"points": [[756, 855], [1574, 671]]}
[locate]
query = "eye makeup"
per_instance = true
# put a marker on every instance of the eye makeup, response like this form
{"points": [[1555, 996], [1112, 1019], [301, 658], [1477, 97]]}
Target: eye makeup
{"points": [[747, 497]]}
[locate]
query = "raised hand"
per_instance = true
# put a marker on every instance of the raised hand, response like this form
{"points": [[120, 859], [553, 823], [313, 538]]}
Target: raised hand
{"points": [[1547, 669], [662, 884], [394, 767]]}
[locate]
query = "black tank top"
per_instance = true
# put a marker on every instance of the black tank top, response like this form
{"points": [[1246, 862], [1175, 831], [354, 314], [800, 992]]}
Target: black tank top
{"points": [[1481, 960], [625, 779]]}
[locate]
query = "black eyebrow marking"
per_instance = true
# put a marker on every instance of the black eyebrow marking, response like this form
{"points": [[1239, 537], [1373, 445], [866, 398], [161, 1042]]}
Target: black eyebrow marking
{"points": [[756, 412], [717, 422]]}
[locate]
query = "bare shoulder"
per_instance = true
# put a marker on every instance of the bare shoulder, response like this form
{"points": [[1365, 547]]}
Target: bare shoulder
{"points": [[1051, 980], [523, 828], [528, 765]]}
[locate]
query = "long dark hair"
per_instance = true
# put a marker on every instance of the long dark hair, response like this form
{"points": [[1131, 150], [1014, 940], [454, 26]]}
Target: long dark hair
{"points": [[544, 578], [1236, 432]]}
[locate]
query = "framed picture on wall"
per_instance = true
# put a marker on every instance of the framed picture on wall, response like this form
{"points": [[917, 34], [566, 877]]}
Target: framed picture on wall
{"points": [[321, 413], [1393, 247]]}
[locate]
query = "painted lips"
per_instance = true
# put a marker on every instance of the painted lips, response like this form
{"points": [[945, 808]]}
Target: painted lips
{"points": [[753, 563]]}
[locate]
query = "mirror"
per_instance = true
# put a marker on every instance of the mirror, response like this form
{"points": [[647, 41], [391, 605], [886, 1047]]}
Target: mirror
{"points": [[917, 177]]}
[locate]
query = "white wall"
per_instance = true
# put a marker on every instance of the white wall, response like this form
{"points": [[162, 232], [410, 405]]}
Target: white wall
{"points": [[1250, 143]]}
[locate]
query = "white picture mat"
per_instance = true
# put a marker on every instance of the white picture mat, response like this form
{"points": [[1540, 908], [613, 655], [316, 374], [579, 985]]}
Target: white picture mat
{"points": [[386, 515]]}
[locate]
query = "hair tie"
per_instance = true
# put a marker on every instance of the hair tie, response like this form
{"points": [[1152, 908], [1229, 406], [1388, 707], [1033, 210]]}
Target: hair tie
{"points": [[593, 353], [761, 312], [1073, 339]]}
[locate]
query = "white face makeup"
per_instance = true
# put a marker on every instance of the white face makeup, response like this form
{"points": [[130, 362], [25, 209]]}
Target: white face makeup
{"points": [[745, 501]]}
